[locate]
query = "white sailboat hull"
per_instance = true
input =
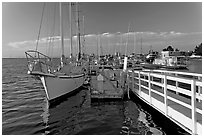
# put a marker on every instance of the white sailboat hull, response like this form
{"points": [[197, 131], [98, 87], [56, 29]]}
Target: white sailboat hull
{"points": [[58, 86]]}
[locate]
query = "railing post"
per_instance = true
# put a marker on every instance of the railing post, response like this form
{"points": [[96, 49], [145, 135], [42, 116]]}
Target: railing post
{"points": [[149, 83], [139, 83], [176, 83], [162, 80], [165, 94], [193, 105], [128, 86], [133, 81], [199, 89], [121, 78]]}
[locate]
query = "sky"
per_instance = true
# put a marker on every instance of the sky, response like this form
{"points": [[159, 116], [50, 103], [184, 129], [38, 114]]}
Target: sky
{"points": [[108, 27]]}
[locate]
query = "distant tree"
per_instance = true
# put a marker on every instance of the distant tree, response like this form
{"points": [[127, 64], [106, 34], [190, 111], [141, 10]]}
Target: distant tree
{"points": [[176, 49], [189, 53], [169, 48], [198, 49]]}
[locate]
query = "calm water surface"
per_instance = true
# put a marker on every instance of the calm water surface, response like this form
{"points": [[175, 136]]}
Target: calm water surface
{"points": [[25, 109]]}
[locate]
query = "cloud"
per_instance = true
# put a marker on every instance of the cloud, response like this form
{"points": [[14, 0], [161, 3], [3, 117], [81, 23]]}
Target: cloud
{"points": [[90, 35], [105, 33], [20, 44], [29, 43], [109, 40]]}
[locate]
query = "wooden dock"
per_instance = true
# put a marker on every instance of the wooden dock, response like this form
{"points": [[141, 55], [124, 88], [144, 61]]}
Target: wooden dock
{"points": [[104, 87], [177, 95]]}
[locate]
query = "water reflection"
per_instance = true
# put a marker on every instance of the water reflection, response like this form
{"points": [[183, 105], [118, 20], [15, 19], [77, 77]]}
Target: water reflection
{"points": [[78, 115], [45, 116], [138, 122], [64, 118]]}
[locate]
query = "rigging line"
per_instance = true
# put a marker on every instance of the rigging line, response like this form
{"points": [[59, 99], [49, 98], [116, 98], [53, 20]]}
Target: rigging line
{"points": [[74, 30], [47, 39], [70, 27], [83, 45], [51, 42], [40, 28], [69, 17], [53, 39]]}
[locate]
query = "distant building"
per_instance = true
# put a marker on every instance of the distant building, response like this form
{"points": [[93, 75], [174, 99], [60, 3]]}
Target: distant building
{"points": [[170, 58]]}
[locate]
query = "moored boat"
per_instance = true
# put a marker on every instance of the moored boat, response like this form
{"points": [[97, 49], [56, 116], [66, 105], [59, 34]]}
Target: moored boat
{"points": [[68, 77], [171, 60]]}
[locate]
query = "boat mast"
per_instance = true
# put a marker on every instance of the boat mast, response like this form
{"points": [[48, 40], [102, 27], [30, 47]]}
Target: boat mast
{"points": [[78, 32], [83, 49], [121, 43], [134, 43], [70, 19], [141, 46], [98, 46], [127, 40], [62, 35]]}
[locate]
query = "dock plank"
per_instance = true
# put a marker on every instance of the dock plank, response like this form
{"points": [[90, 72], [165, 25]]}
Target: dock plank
{"points": [[107, 88]]}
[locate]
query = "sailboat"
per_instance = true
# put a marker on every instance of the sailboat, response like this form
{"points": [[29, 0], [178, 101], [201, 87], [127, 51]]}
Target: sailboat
{"points": [[67, 78]]}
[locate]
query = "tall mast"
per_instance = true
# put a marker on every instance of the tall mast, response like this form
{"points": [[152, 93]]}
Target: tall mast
{"points": [[121, 43], [97, 45], [83, 50], [99, 41], [115, 44], [70, 19], [62, 35], [127, 40], [141, 46], [125, 58], [78, 32], [134, 43]]}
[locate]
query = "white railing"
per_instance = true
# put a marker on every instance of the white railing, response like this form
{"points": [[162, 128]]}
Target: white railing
{"points": [[178, 95]]}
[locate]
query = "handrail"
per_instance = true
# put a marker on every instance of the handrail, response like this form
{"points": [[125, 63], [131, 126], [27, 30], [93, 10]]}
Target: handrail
{"points": [[27, 53], [34, 57], [194, 92], [176, 72]]}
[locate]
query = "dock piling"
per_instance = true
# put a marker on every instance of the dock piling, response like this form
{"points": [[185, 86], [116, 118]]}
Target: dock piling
{"points": [[165, 94]]}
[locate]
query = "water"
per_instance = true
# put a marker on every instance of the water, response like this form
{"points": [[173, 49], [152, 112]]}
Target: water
{"points": [[195, 66], [25, 110]]}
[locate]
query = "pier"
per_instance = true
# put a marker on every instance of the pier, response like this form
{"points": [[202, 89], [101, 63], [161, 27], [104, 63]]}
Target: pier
{"points": [[177, 95], [104, 86]]}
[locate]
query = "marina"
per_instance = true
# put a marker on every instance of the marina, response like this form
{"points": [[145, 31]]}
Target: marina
{"points": [[177, 95], [102, 72], [76, 113]]}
